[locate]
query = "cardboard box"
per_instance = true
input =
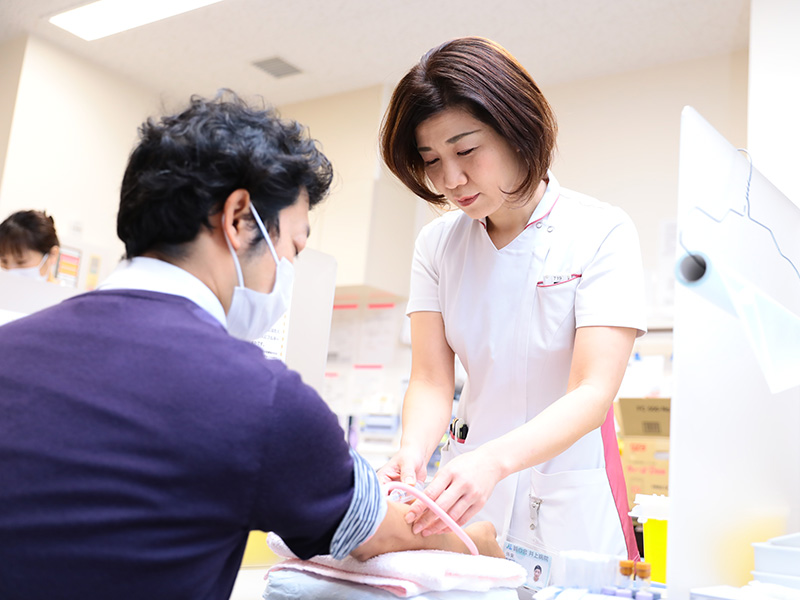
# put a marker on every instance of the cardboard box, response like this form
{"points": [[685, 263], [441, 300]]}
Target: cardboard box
{"points": [[644, 444]]}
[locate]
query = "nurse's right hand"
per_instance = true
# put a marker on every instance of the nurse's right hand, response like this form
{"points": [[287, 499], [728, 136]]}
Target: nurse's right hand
{"points": [[460, 488], [407, 466]]}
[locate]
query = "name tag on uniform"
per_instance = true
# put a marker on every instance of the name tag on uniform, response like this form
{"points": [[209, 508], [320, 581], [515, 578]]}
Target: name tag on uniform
{"points": [[537, 561]]}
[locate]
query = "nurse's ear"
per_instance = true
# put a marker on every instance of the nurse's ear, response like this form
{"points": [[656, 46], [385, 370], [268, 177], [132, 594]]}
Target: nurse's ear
{"points": [[235, 212]]}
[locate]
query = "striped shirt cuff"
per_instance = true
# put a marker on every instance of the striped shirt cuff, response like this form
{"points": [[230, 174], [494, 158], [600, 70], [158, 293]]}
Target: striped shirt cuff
{"points": [[366, 512]]}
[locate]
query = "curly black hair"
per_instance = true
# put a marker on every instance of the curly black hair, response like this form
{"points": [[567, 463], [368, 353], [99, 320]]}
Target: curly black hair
{"points": [[186, 165]]}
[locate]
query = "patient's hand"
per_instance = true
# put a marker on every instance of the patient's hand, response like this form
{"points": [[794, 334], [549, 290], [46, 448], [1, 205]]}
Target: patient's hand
{"points": [[484, 536]]}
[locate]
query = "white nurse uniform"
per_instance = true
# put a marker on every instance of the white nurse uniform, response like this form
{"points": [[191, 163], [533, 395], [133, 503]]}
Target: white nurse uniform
{"points": [[510, 315]]}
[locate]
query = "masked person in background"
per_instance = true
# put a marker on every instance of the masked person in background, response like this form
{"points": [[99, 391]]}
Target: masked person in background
{"points": [[141, 440], [29, 244]]}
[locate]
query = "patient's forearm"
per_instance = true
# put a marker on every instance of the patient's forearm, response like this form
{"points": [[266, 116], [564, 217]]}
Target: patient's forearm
{"points": [[395, 535]]}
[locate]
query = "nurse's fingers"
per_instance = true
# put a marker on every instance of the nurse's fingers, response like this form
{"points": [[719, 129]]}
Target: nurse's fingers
{"points": [[410, 473], [424, 520], [463, 508], [437, 486], [461, 501], [388, 472], [419, 511], [406, 466], [470, 512], [461, 512], [415, 512], [430, 521]]}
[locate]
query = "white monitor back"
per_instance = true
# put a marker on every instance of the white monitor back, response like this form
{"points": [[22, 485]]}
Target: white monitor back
{"points": [[21, 296], [310, 316], [735, 423]]}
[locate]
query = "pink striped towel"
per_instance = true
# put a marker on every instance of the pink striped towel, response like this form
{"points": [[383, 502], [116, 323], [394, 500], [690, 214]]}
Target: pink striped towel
{"points": [[409, 573]]}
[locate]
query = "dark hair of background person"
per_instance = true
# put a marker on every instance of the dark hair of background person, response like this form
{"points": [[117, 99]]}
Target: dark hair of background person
{"points": [[482, 77], [27, 230], [186, 165]]}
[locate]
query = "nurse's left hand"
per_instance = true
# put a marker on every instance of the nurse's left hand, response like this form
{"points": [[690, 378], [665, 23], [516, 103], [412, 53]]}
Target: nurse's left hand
{"points": [[461, 488]]}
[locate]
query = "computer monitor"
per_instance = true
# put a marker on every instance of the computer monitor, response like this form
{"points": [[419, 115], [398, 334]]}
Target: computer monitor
{"points": [[734, 444]]}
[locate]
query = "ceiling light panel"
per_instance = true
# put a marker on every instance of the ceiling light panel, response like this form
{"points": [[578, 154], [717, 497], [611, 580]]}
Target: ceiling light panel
{"points": [[107, 17]]}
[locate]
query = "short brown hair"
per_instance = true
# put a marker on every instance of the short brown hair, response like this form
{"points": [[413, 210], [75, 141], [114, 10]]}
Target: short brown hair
{"points": [[27, 230], [482, 77]]}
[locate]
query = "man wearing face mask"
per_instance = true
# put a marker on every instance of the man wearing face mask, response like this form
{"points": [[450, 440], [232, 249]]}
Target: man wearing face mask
{"points": [[141, 440]]}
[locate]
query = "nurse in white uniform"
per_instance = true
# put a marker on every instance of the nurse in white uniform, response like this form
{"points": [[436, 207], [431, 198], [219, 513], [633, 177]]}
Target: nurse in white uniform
{"points": [[539, 292]]}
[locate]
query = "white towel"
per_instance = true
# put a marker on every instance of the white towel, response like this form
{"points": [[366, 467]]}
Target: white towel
{"points": [[411, 572], [298, 585]]}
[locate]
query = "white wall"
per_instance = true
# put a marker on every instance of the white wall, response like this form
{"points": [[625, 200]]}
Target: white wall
{"points": [[368, 221], [11, 55], [618, 141], [346, 126], [73, 126], [774, 93]]}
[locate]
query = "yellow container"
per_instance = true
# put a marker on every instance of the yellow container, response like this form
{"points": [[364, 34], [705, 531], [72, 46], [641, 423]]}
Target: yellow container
{"points": [[257, 553], [652, 511], [655, 548]]}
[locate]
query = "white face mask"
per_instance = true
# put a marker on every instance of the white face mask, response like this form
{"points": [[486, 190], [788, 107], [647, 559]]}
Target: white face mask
{"points": [[252, 313], [32, 272]]}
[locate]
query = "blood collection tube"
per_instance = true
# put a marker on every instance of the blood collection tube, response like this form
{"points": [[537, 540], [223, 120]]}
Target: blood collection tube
{"points": [[642, 576], [625, 575]]}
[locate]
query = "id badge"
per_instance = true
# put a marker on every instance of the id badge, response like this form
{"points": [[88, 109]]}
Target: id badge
{"points": [[537, 560]]}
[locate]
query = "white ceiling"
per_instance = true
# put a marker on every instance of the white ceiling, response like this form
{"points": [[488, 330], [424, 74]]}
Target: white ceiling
{"points": [[348, 44]]}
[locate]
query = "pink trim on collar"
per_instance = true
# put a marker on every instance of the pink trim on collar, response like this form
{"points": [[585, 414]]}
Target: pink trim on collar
{"points": [[544, 216]]}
